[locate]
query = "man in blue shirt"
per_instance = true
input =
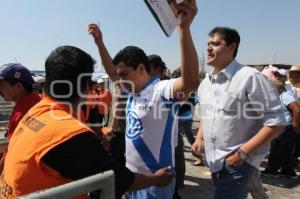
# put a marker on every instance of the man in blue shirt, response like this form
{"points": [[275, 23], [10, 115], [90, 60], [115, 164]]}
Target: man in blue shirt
{"points": [[240, 113]]}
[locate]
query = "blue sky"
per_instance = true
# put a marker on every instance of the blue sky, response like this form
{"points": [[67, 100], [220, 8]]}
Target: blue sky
{"points": [[30, 29]]}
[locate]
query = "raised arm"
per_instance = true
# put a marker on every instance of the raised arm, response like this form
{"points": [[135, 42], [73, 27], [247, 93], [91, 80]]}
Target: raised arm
{"points": [[188, 54], [104, 54]]}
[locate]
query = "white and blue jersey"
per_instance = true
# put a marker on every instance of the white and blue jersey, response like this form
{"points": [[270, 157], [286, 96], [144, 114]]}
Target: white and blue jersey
{"points": [[151, 127]]}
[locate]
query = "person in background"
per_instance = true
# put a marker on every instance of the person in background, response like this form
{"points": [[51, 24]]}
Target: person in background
{"points": [[282, 76], [281, 152], [104, 98], [274, 73], [185, 120], [240, 113], [158, 67], [294, 79], [98, 104], [16, 85], [118, 125], [38, 85]]}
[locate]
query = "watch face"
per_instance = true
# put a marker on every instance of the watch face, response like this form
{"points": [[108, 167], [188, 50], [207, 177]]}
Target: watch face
{"points": [[242, 155]]}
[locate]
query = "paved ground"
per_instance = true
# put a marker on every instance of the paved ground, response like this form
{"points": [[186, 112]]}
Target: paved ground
{"points": [[198, 182]]}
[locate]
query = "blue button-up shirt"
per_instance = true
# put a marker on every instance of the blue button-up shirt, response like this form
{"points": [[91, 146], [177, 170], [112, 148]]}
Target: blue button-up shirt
{"points": [[234, 105]]}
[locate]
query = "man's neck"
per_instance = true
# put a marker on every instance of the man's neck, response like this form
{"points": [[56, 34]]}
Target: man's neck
{"points": [[217, 69], [145, 81], [20, 96]]}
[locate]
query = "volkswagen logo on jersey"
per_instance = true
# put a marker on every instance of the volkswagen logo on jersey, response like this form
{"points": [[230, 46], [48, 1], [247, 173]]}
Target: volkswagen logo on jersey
{"points": [[134, 125]]}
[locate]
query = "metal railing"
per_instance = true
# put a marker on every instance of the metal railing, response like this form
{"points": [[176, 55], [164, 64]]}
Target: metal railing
{"points": [[105, 182]]}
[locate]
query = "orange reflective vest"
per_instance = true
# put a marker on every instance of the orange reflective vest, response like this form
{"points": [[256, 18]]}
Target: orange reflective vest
{"points": [[45, 126]]}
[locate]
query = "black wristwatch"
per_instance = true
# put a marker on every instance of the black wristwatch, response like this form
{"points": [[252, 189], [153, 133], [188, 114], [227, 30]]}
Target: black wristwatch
{"points": [[242, 154]]}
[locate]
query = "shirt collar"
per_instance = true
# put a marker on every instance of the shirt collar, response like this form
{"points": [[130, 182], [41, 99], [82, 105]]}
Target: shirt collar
{"points": [[228, 71], [151, 81]]}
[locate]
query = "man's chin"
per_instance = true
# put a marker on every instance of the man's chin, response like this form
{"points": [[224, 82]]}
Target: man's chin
{"points": [[209, 62]]}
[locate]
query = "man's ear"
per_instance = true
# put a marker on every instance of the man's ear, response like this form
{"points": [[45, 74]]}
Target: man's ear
{"points": [[19, 86], [232, 47], [141, 68]]}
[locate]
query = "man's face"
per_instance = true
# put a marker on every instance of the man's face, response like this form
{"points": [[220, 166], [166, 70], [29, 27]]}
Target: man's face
{"points": [[156, 71], [219, 54], [7, 91], [279, 77], [128, 76], [100, 86], [294, 77]]}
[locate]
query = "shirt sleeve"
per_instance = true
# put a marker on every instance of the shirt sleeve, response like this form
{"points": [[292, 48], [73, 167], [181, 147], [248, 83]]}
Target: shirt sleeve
{"points": [[287, 98], [165, 88], [291, 90], [83, 156], [264, 98]]}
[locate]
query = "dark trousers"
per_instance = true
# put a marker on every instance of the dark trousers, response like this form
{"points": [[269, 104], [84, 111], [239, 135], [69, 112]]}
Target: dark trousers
{"points": [[185, 126], [281, 152], [233, 182], [117, 147], [179, 165], [179, 162], [297, 146]]}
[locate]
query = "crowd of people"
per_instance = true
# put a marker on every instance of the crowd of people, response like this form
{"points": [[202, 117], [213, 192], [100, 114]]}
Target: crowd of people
{"points": [[68, 125]]}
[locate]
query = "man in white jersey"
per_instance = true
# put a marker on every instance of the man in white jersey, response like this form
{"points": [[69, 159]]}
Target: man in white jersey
{"points": [[151, 127]]}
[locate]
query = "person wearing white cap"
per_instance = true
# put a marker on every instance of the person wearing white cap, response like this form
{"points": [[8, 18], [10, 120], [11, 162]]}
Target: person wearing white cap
{"points": [[294, 78], [38, 85], [281, 151], [273, 73], [99, 104], [100, 80], [281, 75]]}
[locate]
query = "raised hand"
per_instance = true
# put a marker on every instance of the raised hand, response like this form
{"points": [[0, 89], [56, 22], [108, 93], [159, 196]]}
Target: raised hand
{"points": [[94, 30], [187, 10]]}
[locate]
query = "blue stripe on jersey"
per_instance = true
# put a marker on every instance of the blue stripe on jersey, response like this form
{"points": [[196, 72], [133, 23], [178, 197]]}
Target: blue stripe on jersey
{"points": [[165, 154], [132, 132], [146, 154]]}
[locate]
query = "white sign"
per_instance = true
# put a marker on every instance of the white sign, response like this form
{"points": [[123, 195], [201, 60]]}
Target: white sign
{"points": [[164, 13]]}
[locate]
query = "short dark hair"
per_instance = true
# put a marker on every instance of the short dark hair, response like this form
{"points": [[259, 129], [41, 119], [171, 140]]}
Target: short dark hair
{"points": [[132, 56], [231, 35], [28, 88], [67, 63]]}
